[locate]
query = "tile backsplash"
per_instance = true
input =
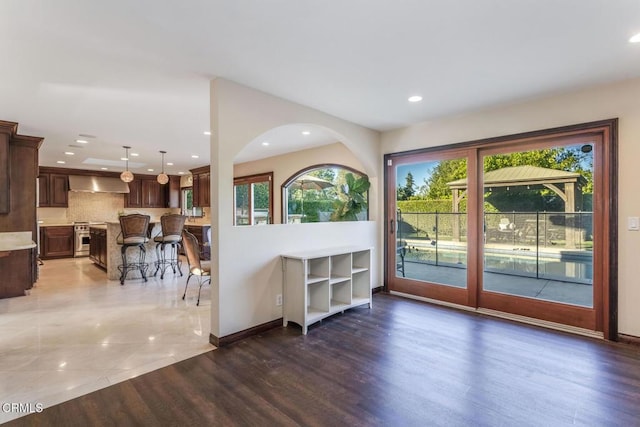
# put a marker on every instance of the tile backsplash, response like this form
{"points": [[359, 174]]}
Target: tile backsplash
{"points": [[94, 207]]}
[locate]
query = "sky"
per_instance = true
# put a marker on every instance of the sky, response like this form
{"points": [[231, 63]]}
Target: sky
{"points": [[420, 172]]}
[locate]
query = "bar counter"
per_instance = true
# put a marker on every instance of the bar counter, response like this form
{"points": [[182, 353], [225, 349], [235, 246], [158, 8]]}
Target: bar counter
{"points": [[114, 257]]}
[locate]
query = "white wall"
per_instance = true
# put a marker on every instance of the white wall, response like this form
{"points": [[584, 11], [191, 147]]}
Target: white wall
{"points": [[619, 100], [246, 267]]}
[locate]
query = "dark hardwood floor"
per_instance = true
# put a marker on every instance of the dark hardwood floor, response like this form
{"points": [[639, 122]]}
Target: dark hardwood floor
{"points": [[403, 363]]}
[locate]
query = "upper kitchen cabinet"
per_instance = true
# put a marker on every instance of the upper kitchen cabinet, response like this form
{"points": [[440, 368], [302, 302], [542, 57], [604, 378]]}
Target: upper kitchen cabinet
{"points": [[174, 199], [201, 186], [18, 172], [146, 192], [53, 189], [134, 198]]}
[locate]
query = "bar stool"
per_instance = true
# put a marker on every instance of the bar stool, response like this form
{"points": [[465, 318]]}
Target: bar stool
{"points": [[134, 233], [172, 225]]}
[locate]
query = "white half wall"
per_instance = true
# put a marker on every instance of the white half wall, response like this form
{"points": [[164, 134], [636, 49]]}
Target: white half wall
{"points": [[619, 100], [246, 269]]}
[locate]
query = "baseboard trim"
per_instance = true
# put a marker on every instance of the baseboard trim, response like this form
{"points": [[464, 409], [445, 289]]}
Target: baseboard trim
{"points": [[629, 339], [509, 316], [228, 339]]}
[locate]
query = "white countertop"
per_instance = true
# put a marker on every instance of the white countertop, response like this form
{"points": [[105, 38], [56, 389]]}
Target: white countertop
{"points": [[15, 241]]}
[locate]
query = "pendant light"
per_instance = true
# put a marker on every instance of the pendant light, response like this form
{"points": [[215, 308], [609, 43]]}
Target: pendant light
{"points": [[163, 178], [126, 176]]}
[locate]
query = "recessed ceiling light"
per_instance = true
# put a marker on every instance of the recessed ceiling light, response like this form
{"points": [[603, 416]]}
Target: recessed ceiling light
{"points": [[169, 164], [265, 143], [195, 156], [124, 158], [135, 154], [415, 98], [180, 173], [149, 170], [635, 39], [69, 153], [105, 169], [61, 162], [306, 132], [207, 132], [81, 141]]}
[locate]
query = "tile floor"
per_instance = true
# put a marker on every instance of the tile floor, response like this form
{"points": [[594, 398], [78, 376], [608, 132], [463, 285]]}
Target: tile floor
{"points": [[78, 332]]}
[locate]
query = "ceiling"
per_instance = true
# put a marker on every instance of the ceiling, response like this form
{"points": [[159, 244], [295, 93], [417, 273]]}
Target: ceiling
{"points": [[137, 73]]}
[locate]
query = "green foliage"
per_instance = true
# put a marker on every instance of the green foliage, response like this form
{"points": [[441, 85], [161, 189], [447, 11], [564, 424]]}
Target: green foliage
{"points": [[408, 190], [445, 172], [570, 159], [261, 195], [422, 206], [352, 198]]}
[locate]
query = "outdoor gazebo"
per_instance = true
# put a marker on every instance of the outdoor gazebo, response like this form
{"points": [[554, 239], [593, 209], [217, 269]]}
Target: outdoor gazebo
{"points": [[567, 185]]}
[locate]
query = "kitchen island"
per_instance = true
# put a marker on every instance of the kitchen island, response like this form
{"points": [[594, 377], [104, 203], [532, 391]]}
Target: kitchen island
{"points": [[113, 250], [18, 267]]}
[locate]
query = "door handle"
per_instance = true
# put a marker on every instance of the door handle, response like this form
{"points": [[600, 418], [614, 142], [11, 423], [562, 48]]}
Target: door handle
{"points": [[391, 226]]}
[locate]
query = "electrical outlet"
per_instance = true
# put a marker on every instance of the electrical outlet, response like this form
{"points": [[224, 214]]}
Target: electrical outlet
{"points": [[279, 299]]}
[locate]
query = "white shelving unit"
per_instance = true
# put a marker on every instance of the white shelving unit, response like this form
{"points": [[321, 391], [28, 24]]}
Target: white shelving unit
{"points": [[319, 284]]}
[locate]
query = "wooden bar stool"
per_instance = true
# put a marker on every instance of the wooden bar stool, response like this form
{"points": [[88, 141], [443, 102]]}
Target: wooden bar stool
{"points": [[172, 225], [134, 233]]}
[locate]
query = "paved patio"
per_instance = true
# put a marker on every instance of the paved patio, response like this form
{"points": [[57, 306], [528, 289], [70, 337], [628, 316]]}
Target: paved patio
{"points": [[544, 289]]}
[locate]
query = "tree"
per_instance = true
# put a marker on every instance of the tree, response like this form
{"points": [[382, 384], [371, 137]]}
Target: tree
{"points": [[409, 189], [445, 172]]}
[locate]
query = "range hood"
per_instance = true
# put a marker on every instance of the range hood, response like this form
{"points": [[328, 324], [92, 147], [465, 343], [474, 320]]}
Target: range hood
{"points": [[97, 184]]}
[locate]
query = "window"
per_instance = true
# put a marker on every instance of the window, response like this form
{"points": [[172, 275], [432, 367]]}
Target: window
{"points": [[187, 203], [325, 193], [253, 199]]}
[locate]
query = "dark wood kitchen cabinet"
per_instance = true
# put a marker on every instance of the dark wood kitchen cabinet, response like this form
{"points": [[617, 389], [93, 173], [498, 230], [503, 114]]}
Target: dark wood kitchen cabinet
{"points": [[56, 241], [19, 272], [18, 199], [53, 190], [201, 186], [98, 246], [146, 192]]}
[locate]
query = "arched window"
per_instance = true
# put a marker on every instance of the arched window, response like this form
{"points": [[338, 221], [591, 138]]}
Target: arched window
{"points": [[324, 193]]}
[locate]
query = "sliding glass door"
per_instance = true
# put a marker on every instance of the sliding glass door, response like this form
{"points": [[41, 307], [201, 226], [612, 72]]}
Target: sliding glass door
{"points": [[430, 226], [519, 225]]}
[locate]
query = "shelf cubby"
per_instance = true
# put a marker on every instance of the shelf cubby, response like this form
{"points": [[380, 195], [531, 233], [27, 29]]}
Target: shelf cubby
{"points": [[321, 283]]}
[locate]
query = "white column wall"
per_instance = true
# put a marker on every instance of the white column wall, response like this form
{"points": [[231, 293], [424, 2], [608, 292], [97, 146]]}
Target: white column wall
{"points": [[246, 269], [619, 100]]}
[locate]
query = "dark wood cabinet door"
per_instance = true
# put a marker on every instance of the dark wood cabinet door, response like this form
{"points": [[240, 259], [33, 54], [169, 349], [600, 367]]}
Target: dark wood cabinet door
{"points": [[152, 194], [58, 190], [93, 245], [195, 190], [5, 178], [204, 190], [43, 191], [98, 247], [134, 198], [102, 248], [57, 242], [173, 193]]}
